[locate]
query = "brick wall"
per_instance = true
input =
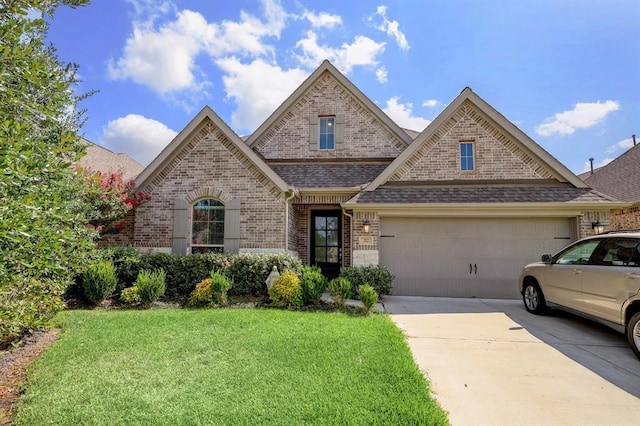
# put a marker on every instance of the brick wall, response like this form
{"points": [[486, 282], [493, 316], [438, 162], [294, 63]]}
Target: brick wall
{"points": [[626, 218], [496, 155], [288, 138], [209, 163]]}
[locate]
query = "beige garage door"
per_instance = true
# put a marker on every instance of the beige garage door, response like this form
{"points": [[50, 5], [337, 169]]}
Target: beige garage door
{"points": [[466, 257]]}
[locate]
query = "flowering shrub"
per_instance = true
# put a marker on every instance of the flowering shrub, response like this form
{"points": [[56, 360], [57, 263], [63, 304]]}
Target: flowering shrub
{"points": [[111, 197], [286, 292]]}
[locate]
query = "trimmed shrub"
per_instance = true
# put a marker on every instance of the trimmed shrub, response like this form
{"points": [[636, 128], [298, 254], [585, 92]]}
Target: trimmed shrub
{"points": [[130, 295], [250, 271], [313, 283], [151, 285], [286, 292], [340, 289], [99, 281], [368, 297], [202, 294], [220, 285], [378, 277]]}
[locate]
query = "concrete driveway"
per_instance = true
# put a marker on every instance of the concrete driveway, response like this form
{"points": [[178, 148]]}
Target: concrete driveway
{"points": [[492, 363]]}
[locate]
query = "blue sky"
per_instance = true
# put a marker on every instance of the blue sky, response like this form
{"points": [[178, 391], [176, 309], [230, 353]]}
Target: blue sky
{"points": [[565, 72]]}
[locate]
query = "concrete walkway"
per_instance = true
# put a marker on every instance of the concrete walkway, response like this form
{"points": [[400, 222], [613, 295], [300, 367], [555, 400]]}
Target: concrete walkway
{"points": [[492, 363]]}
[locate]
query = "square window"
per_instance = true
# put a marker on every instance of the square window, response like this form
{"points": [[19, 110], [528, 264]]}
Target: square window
{"points": [[466, 156], [327, 132]]}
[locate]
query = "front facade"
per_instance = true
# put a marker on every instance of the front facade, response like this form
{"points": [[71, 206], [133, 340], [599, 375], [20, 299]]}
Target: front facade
{"points": [[455, 211]]}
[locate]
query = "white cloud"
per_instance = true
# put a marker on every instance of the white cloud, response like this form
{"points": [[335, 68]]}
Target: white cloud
{"points": [[622, 145], [402, 114], [141, 137], [381, 75], [258, 88], [392, 28], [164, 58], [323, 19], [362, 52], [587, 164], [430, 103], [582, 116]]}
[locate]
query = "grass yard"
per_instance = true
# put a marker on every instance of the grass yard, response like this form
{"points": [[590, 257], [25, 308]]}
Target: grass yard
{"points": [[253, 366]]}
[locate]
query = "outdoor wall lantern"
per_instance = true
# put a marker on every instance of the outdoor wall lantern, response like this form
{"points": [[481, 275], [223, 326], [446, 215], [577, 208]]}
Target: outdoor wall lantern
{"points": [[366, 226], [597, 227]]}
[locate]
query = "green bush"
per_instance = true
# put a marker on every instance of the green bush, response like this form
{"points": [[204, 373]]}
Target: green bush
{"points": [[220, 285], [340, 289], [313, 283], [286, 292], [151, 285], [378, 277], [250, 271], [368, 297], [130, 295], [99, 281], [27, 305], [127, 261]]}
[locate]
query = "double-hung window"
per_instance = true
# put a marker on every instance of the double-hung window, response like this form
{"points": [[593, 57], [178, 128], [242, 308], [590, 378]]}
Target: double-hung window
{"points": [[466, 156], [207, 232], [327, 132]]}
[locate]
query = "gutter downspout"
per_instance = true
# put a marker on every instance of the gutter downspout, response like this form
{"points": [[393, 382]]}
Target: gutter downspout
{"points": [[294, 192]]}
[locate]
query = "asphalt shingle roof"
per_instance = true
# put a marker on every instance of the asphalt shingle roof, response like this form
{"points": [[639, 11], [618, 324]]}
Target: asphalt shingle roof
{"points": [[620, 178], [503, 194], [343, 175]]}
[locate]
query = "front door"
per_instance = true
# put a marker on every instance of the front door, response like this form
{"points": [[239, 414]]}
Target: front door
{"points": [[326, 241]]}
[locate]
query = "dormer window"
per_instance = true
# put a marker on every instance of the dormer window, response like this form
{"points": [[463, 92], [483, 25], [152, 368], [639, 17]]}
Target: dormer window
{"points": [[327, 132], [466, 156]]}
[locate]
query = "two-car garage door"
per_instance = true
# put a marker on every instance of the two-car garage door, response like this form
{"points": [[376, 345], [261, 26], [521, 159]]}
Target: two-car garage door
{"points": [[467, 257]]}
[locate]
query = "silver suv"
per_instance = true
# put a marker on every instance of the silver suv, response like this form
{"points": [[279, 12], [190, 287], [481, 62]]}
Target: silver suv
{"points": [[596, 277]]}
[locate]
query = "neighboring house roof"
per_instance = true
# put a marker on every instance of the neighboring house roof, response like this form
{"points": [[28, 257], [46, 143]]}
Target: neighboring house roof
{"points": [[327, 175], [99, 158], [326, 66], [168, 154], [562, 173], [620, 178], [412, 133]]}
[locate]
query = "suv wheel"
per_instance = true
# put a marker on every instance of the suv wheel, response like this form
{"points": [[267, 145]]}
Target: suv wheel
{"points": [[533, 298], [633, 333]]}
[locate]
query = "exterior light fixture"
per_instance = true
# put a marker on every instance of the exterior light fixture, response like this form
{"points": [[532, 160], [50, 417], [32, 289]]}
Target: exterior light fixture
{"points": [[597, 227], [366, 226]]}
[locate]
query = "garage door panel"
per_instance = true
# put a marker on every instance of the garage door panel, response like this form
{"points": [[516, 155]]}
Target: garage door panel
{"points": [[466, 257]]}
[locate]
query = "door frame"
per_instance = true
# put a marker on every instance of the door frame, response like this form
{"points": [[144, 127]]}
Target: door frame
{"points": [[328, 270]]}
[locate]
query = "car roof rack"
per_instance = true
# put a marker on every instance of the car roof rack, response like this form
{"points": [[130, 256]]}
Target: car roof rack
{"points": [[621, 231]]}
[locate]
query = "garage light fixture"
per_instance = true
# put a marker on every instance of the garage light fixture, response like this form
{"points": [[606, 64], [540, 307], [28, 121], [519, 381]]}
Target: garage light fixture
{"points": [[597, 227], [366, 226]]}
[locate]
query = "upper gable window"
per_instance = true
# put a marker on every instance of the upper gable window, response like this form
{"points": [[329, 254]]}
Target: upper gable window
{"points": [[327, 132], [466, 156]]}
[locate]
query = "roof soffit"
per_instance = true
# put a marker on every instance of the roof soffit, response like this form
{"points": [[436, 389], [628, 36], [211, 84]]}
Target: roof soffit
{"points": [[467, 95], [326, 66], [175, 146]]}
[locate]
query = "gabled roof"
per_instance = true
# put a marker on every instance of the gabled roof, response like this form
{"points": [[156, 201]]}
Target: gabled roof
{"points": [[562, 173], [620, 178], [100, 158], [326, 66], [174, 147]]}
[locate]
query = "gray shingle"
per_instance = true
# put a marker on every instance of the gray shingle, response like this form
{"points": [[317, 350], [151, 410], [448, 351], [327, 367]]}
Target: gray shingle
{"points": [[620, 178], [343, 175]]}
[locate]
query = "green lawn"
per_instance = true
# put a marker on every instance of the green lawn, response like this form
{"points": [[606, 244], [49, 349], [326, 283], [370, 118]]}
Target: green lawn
{"points": [[249, 367]]}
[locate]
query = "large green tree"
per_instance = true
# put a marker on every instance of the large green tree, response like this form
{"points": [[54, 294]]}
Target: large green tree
{"points": [[43, 238]]}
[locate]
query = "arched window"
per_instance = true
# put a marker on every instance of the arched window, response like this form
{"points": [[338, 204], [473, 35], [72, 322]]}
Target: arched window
{"points": [[207, 231]]}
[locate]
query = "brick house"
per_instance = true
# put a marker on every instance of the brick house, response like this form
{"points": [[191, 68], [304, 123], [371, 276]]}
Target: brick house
{"points": [[621, 180], [455, 210]]}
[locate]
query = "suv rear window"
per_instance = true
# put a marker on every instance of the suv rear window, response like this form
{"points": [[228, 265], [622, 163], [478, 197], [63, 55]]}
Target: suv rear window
{"points": [[618, 252]]}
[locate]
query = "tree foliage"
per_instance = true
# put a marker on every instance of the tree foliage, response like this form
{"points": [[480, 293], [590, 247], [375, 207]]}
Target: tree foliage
{"points": [[43, 238]]}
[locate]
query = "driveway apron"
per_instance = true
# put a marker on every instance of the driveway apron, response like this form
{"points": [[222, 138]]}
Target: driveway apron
{"points": [[492, 363]]}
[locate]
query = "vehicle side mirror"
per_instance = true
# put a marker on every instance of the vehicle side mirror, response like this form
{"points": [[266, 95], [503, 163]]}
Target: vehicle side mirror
{"points": [[546, 258]]}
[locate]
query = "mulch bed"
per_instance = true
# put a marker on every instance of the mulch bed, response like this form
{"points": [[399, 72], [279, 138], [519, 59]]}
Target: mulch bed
{"points": [[14, 363]]}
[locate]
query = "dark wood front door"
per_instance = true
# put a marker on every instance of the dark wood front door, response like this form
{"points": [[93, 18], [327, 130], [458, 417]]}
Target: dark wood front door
{"points": [[326, 241]]}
